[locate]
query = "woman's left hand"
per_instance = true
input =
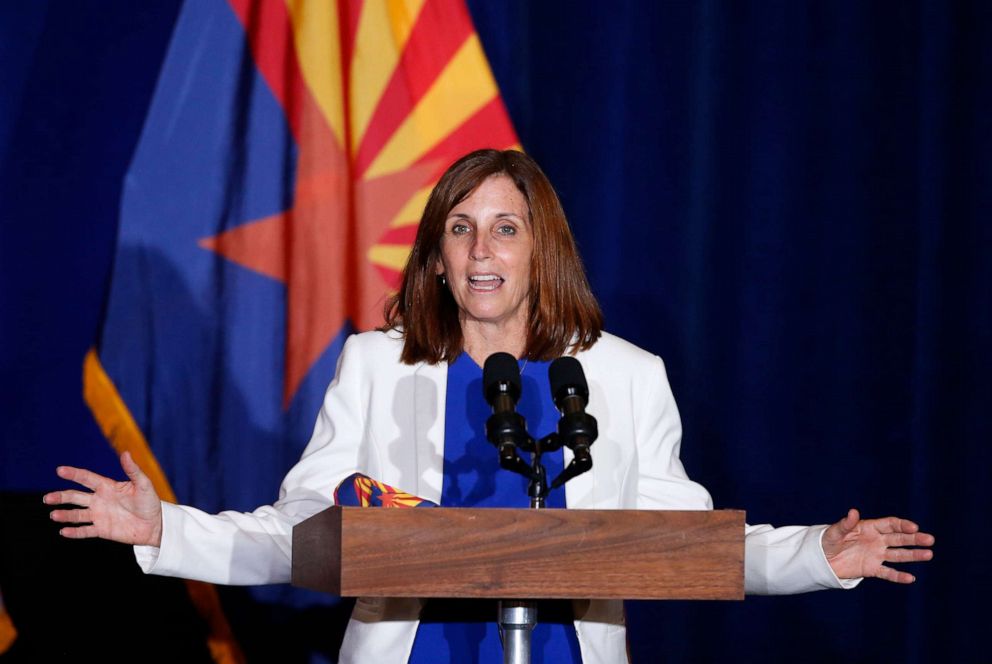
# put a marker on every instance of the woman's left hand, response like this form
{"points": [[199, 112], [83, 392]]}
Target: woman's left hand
{"points": [[860, 548]]}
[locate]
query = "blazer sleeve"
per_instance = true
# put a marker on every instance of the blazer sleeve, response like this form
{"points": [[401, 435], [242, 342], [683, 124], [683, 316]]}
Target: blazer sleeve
{"points": [[250, 548]]}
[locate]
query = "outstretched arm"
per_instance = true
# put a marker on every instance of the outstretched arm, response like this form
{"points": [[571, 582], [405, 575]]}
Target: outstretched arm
{"points": [[128, 512], [860, 548]]}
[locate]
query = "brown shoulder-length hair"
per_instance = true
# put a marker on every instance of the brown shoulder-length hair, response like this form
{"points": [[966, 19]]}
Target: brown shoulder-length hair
{"points": [[564, 314]]}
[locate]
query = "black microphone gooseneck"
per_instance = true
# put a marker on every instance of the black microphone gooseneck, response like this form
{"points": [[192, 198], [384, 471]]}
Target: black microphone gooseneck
{"points": [[577, 429], [505, 428]]}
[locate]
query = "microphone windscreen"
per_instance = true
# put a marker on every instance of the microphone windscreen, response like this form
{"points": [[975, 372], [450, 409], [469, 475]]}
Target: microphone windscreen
{"points": [[564, 373], [500, 368]]}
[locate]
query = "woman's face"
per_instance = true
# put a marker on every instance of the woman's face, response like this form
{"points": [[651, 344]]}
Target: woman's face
{"points": [[486, 251]]}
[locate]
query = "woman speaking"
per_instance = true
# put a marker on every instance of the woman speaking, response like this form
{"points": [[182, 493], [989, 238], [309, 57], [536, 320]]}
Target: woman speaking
{"points": [[494, 268]]}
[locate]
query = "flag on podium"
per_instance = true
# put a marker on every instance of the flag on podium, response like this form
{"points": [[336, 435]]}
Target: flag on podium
{"points": [[360, 490], [267, 212]]}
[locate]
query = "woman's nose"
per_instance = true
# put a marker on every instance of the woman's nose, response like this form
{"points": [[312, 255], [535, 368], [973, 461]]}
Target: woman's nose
{"points": [[480, 249]]}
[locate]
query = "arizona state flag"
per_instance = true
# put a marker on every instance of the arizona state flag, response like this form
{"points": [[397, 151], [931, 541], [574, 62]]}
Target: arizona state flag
{"points": [[269, 207]]}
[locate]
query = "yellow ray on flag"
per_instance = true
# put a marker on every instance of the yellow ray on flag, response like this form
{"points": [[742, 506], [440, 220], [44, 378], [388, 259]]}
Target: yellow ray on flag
{"points": [[402, 15], [383, 30], [465, 86], [392, 256], [410, 214], [315, 31]]}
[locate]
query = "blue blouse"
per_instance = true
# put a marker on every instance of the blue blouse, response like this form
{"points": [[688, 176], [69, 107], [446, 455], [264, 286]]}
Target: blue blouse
{"points": [[467, 630]]}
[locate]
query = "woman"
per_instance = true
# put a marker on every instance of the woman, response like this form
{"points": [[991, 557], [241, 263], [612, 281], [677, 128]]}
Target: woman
{"points": [[494, 268]]}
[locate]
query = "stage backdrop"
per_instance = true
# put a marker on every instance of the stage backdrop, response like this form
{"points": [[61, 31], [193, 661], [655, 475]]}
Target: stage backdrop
{"points": [[789, 202]]}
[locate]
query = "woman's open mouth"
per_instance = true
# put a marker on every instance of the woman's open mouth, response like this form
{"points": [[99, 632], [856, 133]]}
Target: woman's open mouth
{"points": [[485, 282]]}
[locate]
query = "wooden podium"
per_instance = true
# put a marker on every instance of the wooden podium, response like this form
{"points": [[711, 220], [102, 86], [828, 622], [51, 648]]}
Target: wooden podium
{"points": [[521, 553]]}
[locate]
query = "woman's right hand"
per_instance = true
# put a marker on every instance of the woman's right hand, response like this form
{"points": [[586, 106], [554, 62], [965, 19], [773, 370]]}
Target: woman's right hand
{"points": [[128, 512]]}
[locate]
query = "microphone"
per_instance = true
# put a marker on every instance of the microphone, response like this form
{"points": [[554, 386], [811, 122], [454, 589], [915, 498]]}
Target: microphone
{"points": [[506, 428], [501, 382], [577, 429]]}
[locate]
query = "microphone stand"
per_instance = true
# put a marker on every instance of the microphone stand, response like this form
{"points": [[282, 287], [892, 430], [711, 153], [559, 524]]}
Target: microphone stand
{"points": [[518, 617], [517, 620]]}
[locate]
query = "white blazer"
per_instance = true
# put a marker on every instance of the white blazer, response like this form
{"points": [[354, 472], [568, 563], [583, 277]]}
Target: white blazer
{"points": [[386, 419]]}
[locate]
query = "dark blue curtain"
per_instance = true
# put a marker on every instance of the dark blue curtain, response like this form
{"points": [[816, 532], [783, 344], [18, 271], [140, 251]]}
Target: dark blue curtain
{"points": [[789, 202]]}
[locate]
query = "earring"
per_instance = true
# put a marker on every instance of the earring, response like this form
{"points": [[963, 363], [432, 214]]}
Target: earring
{"points": [[444, 280]]}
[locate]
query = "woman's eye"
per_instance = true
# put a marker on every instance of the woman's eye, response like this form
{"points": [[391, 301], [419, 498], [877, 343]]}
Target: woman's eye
{"points": [[459, 229], [507, 229]]}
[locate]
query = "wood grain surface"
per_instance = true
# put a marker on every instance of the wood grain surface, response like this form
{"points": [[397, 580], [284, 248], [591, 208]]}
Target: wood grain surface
{"points": [[521, 553]]}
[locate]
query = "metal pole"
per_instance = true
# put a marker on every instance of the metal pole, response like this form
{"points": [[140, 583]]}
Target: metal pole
{"points": [[517, 619]]}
